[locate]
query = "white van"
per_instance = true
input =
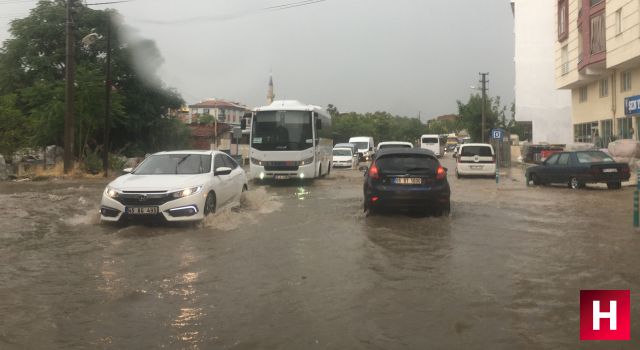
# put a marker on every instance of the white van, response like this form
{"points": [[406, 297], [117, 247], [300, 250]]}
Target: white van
{"points": [[434, 143], [476, 159], [365, 146]]}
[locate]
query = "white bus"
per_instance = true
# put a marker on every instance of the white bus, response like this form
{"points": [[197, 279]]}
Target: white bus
{"points": [[290, 140], [434, 143]]}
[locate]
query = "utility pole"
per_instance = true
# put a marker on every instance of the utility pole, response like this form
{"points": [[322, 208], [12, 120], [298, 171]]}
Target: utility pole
{"points": [[107, 112], [70, 65], [484, 82]]}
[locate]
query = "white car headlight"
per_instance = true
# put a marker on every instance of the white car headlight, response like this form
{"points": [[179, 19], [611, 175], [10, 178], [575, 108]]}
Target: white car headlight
{"points": [[186, 192], [110, 192]]}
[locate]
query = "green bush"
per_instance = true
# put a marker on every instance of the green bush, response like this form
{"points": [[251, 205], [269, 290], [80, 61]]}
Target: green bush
{"points": [[92, 162], [117, 162]]}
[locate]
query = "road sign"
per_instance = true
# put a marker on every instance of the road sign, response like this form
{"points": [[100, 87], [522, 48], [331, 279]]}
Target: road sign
{"points": [[497, 134]]}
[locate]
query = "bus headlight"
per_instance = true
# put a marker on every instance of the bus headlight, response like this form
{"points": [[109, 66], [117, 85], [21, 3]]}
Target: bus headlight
{"points": [[306, 161], [256, 161]]}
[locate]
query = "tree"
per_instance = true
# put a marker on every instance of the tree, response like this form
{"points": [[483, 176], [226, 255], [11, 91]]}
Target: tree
{"points": [[33, 66], [471, 115], [14, 129]]}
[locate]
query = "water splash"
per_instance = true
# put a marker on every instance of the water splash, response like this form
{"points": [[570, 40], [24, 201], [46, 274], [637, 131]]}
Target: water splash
{"points": [[252, 203]]}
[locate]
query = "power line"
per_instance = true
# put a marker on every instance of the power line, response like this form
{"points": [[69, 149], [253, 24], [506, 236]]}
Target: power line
{"points": [[292, 5], [108, 3]]}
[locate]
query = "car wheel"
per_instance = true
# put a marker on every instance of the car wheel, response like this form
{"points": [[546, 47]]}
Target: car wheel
{"points": [[535, 179], [614, 185], [574, 183], [210, 204]]}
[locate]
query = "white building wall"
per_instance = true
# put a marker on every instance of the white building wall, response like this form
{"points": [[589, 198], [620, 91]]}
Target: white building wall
{"points": [[537, 99]]}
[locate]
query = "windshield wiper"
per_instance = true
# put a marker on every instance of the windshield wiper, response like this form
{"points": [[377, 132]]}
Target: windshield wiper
{"points": [[180, 162]]}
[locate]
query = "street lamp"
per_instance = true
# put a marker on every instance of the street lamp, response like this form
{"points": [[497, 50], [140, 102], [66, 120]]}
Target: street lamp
{"points": [[87, 41]]}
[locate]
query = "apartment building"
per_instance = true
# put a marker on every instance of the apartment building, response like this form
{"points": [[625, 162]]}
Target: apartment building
{"points": [[539, 104], [221, 110], [598, 59]]}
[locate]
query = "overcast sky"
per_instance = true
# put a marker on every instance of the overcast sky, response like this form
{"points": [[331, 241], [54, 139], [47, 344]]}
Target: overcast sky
{"points": [[401, 56]]}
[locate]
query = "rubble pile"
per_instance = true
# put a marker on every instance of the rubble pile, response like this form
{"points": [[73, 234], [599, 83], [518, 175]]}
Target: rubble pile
{"points": [[626, 151]]}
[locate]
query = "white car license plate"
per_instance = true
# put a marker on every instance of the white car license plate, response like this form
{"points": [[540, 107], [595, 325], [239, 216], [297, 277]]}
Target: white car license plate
{"points": [[142, 210], [610, 170], [407, 181], [281, 177], [477, 167]]}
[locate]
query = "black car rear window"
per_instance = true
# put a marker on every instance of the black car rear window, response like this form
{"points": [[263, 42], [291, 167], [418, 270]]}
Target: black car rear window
{"points": [[406, 163], [593, 157], [471, 151], [394, 145]]}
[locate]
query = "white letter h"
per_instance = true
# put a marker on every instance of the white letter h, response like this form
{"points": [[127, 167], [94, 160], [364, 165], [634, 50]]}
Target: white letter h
{"points": [[611, 315]]}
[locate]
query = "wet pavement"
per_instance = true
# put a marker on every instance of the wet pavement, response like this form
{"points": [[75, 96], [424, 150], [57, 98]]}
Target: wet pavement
{"points": [[301, 267]]}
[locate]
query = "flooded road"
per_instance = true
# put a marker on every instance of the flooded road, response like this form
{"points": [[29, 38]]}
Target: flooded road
{"points": [[300, 267]]}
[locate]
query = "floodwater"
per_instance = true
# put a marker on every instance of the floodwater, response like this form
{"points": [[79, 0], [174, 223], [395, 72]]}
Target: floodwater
{"points": [[301, 267]]}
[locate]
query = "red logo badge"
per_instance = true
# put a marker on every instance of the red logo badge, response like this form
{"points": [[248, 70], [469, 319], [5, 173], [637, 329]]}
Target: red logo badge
{"points": [[605, 315]]}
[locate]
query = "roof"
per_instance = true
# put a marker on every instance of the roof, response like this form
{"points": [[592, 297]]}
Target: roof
{"points": [[215, 103], [395, 143], [475, 144], [288, 105], [187, 152]]}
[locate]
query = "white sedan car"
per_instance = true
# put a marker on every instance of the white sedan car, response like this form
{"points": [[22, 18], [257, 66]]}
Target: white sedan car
{"points": [[176, 186]]}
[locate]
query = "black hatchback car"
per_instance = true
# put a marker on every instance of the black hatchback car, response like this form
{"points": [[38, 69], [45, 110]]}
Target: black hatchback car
{"points": [[406, 179]]}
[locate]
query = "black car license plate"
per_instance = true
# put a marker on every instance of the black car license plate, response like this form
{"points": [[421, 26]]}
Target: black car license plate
{"points": [[142, 210], [407, 181]]}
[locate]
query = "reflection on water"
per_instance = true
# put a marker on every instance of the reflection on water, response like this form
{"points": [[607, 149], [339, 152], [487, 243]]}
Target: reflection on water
{"points": [[300, 267]]}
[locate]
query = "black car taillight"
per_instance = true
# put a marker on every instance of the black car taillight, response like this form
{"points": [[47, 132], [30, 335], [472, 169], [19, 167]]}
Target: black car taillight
{"points": [[374, 173], [441, 174]]}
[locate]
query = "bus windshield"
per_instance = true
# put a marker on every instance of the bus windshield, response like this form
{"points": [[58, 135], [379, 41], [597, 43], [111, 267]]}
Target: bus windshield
{"points": [[282, 131]]}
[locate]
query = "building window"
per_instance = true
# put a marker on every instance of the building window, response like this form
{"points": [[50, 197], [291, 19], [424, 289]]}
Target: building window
{"points": [[604, 87], [625, 81], [594, 2], [584, 132], [583, 94], [625, 128], [563, 19], [205, 111], [565, 59], [619, 21], [598, 38]]}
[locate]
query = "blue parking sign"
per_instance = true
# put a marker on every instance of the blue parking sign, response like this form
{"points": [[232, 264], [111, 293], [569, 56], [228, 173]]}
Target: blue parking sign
{"points": [[496, 134]]}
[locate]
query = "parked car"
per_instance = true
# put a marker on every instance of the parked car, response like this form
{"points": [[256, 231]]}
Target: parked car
{"points": [[344, 157], [475, 159], [579, 168], [174, 186], [393, 144], [406, 178]]}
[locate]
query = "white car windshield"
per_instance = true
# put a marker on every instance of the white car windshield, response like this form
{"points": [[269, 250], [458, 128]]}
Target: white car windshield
{"points": [[341, 152], [165, 164]]}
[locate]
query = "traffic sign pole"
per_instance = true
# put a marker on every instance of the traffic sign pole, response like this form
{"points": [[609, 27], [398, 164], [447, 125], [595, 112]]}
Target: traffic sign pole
{"points": [[636, 206]]}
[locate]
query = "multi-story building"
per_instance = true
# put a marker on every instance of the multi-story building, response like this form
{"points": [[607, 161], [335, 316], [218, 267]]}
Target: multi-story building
{"points": [[539, 105], [221, 110], [598, 58]]}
